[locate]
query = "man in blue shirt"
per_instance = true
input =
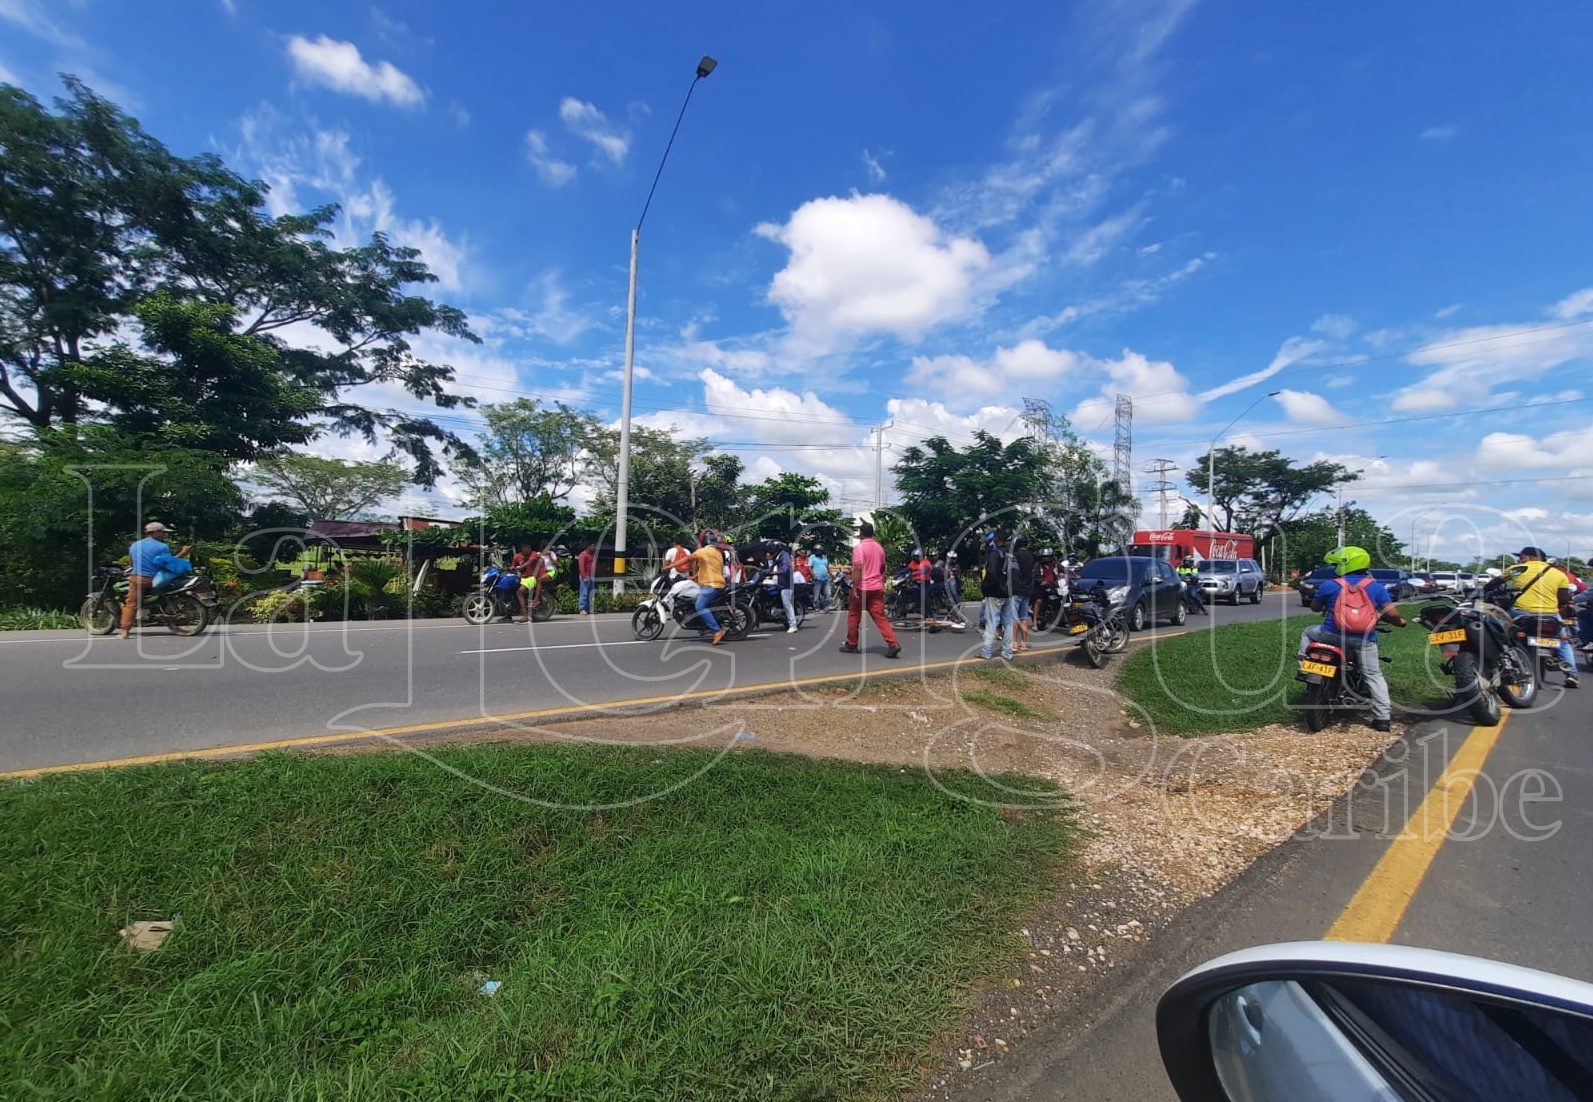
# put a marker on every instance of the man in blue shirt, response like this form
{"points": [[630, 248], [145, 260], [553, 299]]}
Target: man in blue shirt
{"points": [[820, 566], [145, 556], [1352, 564]]}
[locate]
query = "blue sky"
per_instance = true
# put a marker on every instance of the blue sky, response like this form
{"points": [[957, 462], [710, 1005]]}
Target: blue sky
{"points": [[871, 217]]}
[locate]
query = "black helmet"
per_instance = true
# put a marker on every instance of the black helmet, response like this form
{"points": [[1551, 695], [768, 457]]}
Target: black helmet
{"points": [[818, 549], [918, 552]]}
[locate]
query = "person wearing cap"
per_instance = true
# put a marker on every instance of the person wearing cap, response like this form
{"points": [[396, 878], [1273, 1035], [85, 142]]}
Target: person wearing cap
{"points": [[1544, 590], [144, 556], [819, 568]]}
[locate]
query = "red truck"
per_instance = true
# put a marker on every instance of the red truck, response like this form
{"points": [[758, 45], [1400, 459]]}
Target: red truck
{"points": [[1176, 543]]}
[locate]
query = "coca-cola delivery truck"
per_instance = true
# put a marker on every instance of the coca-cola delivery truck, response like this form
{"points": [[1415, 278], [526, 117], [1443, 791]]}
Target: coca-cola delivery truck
{"points": [[1177, 543]]}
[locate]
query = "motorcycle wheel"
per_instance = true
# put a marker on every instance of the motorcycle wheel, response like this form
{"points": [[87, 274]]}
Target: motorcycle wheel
{"points": [[1180, 615], [737, 622], [479, 609], [1117, 634], [99, 615], [1318, 705], [1525, 693], [647, 622], [1092, 648], [1479, 700], [184, 614], [542, 608]]}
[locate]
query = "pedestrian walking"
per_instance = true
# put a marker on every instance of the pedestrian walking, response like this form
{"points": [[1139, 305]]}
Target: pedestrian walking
{"points": [[868, 592], [1022, 591], [996, 584]]}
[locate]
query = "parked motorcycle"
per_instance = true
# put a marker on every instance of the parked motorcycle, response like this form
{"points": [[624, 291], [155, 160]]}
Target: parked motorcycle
{"points": [[762, 599], [1482, 650], [731, 609], [185, 606], [497, 596], [930, 602], [1100, 624], [1334, 681]]}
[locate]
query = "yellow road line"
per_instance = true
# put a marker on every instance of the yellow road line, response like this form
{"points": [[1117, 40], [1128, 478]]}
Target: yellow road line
{"points": [[1380, 903]]}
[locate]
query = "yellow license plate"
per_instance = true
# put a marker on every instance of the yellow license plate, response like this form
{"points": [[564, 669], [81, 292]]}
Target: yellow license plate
{"points": [[1456, 635], [1553, 644], [1318, 667], [1078, 629]]}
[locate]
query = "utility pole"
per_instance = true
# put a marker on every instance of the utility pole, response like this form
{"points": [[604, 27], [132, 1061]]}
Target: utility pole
{"points": [[879, 465], [1161, 468]]}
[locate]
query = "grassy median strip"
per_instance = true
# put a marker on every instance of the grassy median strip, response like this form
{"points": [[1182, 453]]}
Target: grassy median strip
{"points": [[1241, 676], [775, 928]]}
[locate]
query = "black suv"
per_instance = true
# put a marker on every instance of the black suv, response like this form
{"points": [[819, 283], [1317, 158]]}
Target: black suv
{"points": [[1308, 584]]}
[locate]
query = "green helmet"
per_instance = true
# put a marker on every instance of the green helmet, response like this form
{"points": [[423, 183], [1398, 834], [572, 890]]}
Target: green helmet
{"points": [[1347, 560]]}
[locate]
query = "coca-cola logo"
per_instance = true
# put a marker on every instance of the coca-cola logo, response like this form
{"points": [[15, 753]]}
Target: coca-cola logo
{"points": [[1161, 537], [1226, 549]]}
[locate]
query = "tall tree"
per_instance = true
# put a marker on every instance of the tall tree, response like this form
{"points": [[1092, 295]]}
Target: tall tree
{"points": [[153, 292], [529, 451], [661, 475], [781, 506], [329, 489], [1260, 491], [947, 492], [717, 492]]}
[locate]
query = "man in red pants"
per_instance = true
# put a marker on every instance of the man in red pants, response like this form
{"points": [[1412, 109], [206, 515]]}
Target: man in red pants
{"points": [[868, 591]]}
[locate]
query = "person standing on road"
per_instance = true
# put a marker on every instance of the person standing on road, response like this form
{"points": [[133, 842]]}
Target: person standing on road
{"points": [[784, 578], [1354, 603], [708, 571], [1022, 591], [144, 556], [820, 568], [868, 592], [586, 573], [996, 584]]}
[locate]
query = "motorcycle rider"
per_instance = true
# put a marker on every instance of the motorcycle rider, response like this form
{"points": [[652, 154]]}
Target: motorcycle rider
{"points": [[145, 557], [919, 568], [1193, 597], [1352, 564], [1544, 590]]}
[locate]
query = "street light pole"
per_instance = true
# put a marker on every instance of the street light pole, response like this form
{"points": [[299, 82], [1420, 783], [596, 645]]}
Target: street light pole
{"points": [[622, 491], [1211, 459]]}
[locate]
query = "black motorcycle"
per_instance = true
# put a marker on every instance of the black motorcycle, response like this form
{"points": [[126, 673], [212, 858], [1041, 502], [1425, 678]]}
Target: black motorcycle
{"points": [[730, 608], [1101, 626], [184, 606], [763, 599], [1194, 598], [1481, 648], [497, 596], [1333, 681], [929, 601]]}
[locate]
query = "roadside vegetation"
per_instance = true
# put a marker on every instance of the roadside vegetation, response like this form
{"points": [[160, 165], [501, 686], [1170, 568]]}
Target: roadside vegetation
{"points": [[1241, 676], [776, 928]]}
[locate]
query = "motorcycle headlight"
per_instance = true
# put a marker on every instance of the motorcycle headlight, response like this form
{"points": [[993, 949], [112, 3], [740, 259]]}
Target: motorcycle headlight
{"points": [[1117, 593]]}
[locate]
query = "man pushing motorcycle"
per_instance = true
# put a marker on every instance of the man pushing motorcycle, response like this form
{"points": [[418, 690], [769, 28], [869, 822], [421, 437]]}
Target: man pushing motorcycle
{"points": [[1354, 603]]}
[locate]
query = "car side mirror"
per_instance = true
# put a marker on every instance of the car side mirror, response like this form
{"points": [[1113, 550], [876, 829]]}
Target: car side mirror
{"points": [[1320, 1021]]}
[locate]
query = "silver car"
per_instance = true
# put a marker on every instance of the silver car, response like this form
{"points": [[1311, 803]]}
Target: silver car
{"points": [[1230, 579]]}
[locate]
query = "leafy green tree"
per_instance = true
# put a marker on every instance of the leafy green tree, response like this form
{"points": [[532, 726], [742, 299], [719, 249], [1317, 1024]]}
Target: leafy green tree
{"points": [[947, 493], [329, 489], [529, 451], [717, 493], [152, 292], [661, 477], [782, 506], [1259, 491], [1306, 539]]}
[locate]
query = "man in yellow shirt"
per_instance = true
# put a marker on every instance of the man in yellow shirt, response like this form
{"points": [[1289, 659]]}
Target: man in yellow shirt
{"points": [[708, 571], [1544, 590]]}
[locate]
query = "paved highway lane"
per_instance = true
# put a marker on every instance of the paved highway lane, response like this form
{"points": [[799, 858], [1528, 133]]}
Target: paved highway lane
{"points": [[71, 699]]}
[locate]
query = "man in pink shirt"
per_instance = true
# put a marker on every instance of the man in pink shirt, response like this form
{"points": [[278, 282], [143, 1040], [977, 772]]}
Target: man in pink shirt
{"points": [[868, 591]]}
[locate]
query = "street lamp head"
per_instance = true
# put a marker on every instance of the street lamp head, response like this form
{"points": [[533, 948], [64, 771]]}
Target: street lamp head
{"points": [[706, 66]]}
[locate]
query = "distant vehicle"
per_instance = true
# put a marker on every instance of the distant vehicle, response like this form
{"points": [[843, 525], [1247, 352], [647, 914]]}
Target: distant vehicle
{"points": [[1446, 581], [1177, 544], [1230, 579], [1397, 582], [1147, 588], [1308, 584], [1423, 580], [1469, 582]]}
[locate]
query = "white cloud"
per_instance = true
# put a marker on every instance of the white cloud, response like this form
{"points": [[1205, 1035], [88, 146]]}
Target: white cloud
{"points": [[1440, 133], [339, 66], [1561, 451], [1336, 326], [552, 170], [460, 116], [1471, 362], [1161, 394], [552, 317], [920, 418], [8, 77], [1293, 351], [1450, 311], [782, 416], [585, 121], [1100, 239], [876, 171], [31, 17], [1306, 408], [1131, 294], [1574, 306], [870, 264], [1029, 365]]}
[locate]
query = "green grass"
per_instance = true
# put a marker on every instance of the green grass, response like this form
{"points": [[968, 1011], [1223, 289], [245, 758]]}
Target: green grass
{"points": [[777, 928], [1007, 679], [1241, 676], [1006, 705], [35, 619]]}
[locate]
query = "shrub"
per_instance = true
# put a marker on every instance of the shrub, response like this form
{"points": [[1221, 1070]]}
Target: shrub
{"points": [[285, 607], [35, 619]]}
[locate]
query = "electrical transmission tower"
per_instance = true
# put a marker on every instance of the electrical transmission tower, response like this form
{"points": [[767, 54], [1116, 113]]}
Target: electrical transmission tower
{"points": [[1037, 415], [1123, 445], [1161, 468]]}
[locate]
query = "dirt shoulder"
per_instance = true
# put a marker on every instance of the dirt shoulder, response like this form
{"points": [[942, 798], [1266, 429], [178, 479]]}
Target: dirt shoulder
{"points": [[1170, 820]]}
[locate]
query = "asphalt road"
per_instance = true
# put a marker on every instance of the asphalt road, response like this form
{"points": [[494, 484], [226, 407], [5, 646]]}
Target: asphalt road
{"points": [[70, 699], [1509, 882]]}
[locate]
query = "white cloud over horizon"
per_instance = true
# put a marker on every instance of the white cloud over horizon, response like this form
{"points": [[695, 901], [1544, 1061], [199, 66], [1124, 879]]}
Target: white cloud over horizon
{"points": [[338, 65]]}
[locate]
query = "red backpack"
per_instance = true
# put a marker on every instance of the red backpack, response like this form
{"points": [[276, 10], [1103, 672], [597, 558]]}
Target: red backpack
{"points": [[1353, 610]]}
